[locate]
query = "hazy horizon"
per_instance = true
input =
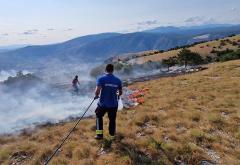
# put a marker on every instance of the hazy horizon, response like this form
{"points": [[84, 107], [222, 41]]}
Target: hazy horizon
{"points": [[45, 22]]}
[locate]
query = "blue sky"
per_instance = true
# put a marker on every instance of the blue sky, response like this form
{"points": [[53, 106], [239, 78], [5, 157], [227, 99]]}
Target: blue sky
{"points": [[51, 21]]}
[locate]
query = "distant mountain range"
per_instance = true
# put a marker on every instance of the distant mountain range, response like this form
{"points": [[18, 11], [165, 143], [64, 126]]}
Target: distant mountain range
{"points": [[10, 48], [98, 47]]}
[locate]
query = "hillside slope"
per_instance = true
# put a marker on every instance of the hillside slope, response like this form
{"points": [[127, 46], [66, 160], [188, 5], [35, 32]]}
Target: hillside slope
{"points": [[189, 118], [204, 49]]}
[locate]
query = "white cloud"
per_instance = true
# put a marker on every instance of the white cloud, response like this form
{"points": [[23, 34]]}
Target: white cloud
{"points": [[5, 34], [30, 32], [148, 23], [235, 20], [69, 29], [233, 9], [194, 19], [198, 20], [209, 20], [142, 25]]}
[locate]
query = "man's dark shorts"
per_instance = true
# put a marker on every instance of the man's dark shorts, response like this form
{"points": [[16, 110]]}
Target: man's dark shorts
{"points": [[100, 111]]}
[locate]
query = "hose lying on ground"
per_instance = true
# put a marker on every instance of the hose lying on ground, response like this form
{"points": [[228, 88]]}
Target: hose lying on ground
{"points": [[66, 137]]}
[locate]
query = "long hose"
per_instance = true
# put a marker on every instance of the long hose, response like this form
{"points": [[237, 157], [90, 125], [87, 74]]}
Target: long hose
{"points": [[69, 133]]}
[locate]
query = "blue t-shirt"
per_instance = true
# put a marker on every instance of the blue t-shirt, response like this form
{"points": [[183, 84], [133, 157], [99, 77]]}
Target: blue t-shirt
{"points": [[110, 84]]}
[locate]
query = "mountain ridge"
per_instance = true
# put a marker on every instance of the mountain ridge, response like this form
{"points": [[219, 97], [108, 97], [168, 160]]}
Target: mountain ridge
{"points": [[99, 47]]}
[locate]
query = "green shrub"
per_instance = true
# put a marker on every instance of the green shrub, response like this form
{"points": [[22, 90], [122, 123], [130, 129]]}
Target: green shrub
{"points": [[186, 56], [208, 59], [229, 56]]}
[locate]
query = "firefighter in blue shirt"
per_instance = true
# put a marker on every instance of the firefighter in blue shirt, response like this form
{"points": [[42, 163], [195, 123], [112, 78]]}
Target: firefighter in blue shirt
{"points": [[109, 88]]}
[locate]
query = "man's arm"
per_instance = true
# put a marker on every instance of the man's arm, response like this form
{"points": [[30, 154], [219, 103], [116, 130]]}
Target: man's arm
{"points": [[120, 88], [97, 91], [98, 88]]}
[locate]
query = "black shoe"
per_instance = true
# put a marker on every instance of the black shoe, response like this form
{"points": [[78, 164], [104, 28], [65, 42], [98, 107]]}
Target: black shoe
{"points": [[97, 137]]}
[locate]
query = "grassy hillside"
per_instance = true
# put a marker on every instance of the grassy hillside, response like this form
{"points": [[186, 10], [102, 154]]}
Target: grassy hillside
{"points": [[204, 49], [188, 119]]}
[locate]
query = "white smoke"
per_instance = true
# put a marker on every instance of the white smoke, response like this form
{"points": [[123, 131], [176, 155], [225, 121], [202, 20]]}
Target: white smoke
{"points": [[24, 109], [58, 71]]}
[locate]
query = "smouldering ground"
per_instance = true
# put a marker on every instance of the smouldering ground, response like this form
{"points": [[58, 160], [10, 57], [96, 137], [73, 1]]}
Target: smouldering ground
{"points": [[184, 119]]}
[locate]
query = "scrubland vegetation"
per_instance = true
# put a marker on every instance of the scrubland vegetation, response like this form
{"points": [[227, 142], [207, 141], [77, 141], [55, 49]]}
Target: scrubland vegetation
{"points": [[205, 49], [186, 119]]}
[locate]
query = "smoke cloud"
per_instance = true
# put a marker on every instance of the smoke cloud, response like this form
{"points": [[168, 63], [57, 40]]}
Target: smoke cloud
{"points": [[51, 100], [26, 108]]}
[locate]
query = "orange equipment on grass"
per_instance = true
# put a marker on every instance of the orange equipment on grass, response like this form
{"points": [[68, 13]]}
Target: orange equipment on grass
{"points": [[137, 95]]}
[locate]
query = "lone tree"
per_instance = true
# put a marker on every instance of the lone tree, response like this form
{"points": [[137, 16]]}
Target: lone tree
{"points": [[196, 59], [186, 56], [171, 61]]}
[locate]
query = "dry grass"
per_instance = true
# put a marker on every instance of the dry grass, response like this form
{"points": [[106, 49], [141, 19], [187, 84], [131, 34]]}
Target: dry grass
{"points": [[187, 118], [203, 49]]}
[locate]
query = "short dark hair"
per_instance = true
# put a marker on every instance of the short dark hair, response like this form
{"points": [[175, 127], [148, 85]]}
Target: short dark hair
{"points": [[109, 68]]}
